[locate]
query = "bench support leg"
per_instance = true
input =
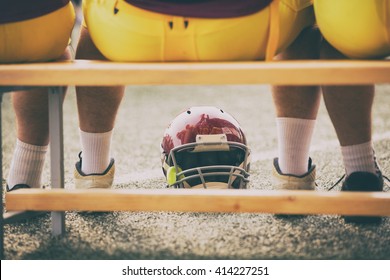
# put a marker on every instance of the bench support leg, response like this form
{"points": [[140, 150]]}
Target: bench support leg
{"points": [[1, 189], [56, 152]]}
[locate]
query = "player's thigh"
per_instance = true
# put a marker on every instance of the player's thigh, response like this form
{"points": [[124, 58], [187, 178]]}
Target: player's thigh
{"points": [[247, 38], [40, 39], [358, 29], [126, 33]]}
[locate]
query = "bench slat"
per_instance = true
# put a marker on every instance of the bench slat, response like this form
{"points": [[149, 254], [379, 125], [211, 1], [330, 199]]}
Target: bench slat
{"points": [[263, 201], [88, 73]]}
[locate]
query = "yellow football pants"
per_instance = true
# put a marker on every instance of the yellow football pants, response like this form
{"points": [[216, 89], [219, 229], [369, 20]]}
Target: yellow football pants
{"points": [[40, 39], [123, 32], [358, 29]]}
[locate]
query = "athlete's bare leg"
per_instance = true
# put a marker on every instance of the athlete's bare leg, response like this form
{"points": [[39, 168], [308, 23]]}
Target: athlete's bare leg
{"points": [[299, 101], [32, 113], [349, 107], [97, 106]]}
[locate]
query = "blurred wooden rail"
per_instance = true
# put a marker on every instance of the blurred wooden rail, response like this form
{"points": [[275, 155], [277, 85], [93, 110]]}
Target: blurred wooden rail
{"points": [[201, 200], [87, 73]]}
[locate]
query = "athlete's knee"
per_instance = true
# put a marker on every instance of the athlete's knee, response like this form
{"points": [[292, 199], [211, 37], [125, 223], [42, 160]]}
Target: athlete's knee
{"points": [[86, 48], [305, 46]]}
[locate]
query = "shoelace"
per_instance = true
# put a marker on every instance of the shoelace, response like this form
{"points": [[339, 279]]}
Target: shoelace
{"points": [[342, 177], [387, 179], [338, 182]]}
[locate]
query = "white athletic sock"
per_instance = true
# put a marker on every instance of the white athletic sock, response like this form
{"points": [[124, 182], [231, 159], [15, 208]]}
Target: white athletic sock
{"points": [[294, 137], [358, 158], [95, 149], [27, 165]]}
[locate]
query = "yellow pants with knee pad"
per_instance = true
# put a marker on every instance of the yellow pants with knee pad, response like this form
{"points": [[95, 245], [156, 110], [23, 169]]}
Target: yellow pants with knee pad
{"points": [[123, 32], [358, 29], [39, 39]]}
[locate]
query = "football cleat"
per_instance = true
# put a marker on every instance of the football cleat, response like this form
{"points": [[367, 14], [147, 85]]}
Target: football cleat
{"points": [[282, 181], [91, 181]]}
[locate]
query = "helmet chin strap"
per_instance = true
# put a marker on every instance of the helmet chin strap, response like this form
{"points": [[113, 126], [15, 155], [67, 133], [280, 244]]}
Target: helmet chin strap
{"points": [[172, 177]]}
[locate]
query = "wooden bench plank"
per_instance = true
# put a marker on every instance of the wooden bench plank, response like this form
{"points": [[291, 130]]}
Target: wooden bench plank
{"points": [[262, 201], [88, 73]]}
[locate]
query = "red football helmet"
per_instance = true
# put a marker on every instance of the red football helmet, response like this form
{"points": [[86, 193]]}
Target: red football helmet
{"points": [[204, 147]]}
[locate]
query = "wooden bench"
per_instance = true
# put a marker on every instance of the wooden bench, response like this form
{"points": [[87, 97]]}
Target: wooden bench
{"points": [[94, 73]]}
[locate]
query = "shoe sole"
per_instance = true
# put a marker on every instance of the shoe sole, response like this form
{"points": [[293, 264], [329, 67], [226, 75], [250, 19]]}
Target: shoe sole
{"points": [[362, 220], [21, 216]]}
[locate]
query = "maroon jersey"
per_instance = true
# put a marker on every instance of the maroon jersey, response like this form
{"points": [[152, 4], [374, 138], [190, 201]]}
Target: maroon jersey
{"points": [[202, 8], [17, 10]]}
